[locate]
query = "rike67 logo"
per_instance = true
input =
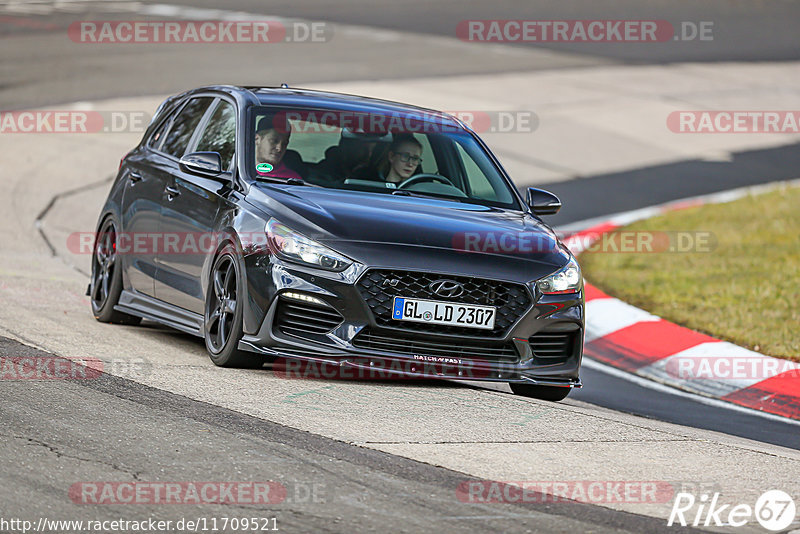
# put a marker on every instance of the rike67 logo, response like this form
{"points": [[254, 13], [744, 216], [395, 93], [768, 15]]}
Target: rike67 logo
{"points": [[774, 510]]}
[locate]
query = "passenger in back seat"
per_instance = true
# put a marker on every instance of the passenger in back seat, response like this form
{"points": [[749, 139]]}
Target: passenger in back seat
{"points": [[344, 159]]}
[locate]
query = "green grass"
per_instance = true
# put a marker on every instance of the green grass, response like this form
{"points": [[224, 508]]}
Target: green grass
{"points": [[746, 291]]}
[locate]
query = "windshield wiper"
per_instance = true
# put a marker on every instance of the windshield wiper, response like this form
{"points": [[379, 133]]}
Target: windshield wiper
{"points": [[407, 193], [290, 181]]}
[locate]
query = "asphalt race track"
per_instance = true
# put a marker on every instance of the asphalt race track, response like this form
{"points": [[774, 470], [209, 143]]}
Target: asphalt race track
{"points": [[356, 456]]}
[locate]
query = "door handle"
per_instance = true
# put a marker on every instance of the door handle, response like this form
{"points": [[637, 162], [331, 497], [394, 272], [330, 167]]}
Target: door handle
{"points": [[134, 177], [172, 192]]}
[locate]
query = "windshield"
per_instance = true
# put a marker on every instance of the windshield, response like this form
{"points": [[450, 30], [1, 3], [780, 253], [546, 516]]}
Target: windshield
{"points": [[412, 154]]}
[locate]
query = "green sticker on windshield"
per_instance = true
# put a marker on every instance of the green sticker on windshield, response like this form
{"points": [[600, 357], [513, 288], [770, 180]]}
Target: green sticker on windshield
{"points": [[264, 167]]}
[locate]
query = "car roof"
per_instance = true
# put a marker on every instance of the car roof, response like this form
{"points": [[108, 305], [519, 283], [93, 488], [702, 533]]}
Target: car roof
{"points": [[309, 98]]}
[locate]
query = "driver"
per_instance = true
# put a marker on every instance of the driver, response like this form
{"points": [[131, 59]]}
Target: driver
{"points": [[272, 138], [402, 159]]}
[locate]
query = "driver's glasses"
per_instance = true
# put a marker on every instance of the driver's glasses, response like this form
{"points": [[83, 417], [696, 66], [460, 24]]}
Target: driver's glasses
{"points": [[405, 157]]}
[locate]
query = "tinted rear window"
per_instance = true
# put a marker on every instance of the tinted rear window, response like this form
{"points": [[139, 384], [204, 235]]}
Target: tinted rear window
{"points": [[220, 134], [184, 126]]}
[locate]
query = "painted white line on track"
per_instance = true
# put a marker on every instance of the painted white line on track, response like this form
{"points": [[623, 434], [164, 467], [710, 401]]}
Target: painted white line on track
{"points": [[612, 311], [733, 359], [609, 315], [661, 388]]}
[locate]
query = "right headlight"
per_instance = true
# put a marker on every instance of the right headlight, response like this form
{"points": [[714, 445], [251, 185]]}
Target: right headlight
{"points": [[566, 280], [293, 246]]}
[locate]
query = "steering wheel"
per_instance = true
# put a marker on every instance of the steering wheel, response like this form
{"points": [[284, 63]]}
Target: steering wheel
{"points": [[425, 177]]}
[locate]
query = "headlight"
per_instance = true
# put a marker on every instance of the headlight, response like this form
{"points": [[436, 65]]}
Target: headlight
{"points": [[566, 280], [292, 246]]}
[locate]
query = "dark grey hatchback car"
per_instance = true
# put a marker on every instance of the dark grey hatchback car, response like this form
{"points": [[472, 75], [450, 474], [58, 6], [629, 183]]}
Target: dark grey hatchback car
{"points": [[332, 230]]}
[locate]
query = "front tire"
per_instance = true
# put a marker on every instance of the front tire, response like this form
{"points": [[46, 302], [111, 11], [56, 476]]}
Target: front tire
{"points": [[223, 314], [106, 281], [548, 393]]}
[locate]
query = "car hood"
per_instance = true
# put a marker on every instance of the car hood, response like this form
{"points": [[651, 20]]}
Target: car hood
{"points": [[351, 221]]}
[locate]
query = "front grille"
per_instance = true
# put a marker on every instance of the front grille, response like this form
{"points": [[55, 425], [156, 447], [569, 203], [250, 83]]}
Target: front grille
{"points": [[302, 318], [378, 287], [410, 346], [552, 345]]}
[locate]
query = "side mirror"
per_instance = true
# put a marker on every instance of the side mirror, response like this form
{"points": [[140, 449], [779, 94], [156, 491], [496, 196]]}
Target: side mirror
{"points": [[543, 202], [201, 163]]}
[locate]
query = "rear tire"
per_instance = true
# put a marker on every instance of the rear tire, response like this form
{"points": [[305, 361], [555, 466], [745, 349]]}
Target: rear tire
{"points": [[106, 282], [222, 328], [548, 393]]}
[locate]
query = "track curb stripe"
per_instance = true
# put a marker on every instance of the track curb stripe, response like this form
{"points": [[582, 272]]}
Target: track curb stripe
{"points": [[638, 342]]}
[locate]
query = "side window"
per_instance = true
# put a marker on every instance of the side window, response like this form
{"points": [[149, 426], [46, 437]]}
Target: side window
{"points": [[479, 182], [220, 134], [428, 160], [158, 137], [184, 125]]}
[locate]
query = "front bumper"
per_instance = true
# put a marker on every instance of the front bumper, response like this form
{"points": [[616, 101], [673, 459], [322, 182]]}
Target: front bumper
{"points": [[337, 349]]}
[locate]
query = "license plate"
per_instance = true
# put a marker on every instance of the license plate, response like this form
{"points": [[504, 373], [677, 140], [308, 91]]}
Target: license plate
{"points": [[444, 313]]}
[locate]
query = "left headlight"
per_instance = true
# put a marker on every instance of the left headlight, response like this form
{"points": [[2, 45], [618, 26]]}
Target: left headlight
{"points": [[293, 246], [566, 280]]}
